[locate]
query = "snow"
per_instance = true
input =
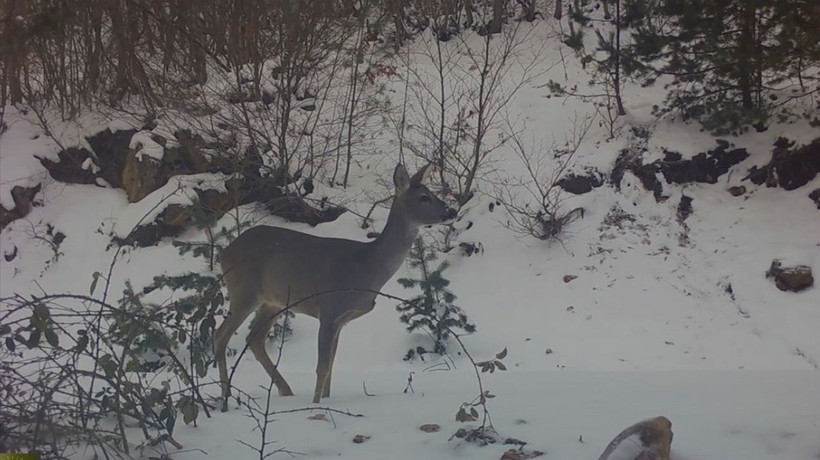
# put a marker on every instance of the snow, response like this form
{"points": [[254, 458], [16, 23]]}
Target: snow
{"points": [[145, 146], [648, 327]]}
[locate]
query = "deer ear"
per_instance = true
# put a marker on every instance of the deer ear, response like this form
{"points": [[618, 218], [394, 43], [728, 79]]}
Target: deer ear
{"points": [[418, 177], [401, 179]]}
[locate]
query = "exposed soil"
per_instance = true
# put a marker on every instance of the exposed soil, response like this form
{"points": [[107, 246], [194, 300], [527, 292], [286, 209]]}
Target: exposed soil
{"points": [[790, 167]]}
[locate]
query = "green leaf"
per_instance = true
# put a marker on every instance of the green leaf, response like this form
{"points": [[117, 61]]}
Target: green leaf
{"points": [[201, 368], [189, 412], [108, 365], [5, 329], [33, 339], [82, 342], [95, 277], [10, 344], [170, 418], [474, 413], [133, 365], [463, 416], [502, 354], [41, 310], [500, 366], [52, 338]]}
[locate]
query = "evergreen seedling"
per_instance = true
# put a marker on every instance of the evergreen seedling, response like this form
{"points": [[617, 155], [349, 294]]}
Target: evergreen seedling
{"points": [[433, 310]]}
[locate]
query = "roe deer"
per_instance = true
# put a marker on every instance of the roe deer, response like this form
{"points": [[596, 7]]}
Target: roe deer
{"points": [[331, 279]]}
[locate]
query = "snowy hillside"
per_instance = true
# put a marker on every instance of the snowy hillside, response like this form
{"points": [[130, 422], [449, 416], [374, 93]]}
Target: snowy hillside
{"points": [[638, 309]]}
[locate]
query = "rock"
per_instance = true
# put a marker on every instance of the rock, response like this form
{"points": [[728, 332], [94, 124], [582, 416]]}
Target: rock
{"points": [[71, 167], [795, 279], [8, 256], [175, 215], [295, 209], [360, 438], [815, 196], [516, 454], [216, 202], [140, 176], [649, 439], [7, 216], [737, 190], [468, 249], [429, 427], [23, 198], [568, 278], [111, 151]]}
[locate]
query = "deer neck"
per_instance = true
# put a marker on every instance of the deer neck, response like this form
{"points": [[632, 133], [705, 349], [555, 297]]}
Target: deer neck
{"points": [[388, 251]]}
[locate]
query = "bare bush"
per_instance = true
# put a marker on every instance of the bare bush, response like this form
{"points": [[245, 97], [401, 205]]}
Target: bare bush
{"points": [[472, 81], [535, 202]]}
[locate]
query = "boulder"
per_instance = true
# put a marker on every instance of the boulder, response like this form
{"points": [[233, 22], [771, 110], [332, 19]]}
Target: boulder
{"points": [[430, 427], [23, 198], [649, 439], [520, 454], [140, 176], [71, 167], [111, 151], [815, 196], [795, 279]]}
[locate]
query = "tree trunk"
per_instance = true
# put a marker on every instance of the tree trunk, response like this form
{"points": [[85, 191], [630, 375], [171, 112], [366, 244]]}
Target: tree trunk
{"points": [[618, 100], [498, 17], [745, 48], [12, 47]]}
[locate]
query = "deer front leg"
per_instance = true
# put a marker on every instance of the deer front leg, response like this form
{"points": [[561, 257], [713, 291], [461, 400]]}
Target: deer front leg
{"points": [[333, 346], [328, 338]]}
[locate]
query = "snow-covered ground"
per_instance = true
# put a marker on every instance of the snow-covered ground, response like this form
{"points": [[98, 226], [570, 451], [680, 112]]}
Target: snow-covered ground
{"points": [[650, 326]]}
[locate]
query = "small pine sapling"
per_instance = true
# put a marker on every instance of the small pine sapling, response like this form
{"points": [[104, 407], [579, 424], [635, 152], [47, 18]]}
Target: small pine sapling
{"points": [[433, 310]]}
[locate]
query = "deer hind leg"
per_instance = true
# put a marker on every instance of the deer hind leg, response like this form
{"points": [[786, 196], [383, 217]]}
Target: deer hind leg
{"points": [[239, 312], [256, 342]]}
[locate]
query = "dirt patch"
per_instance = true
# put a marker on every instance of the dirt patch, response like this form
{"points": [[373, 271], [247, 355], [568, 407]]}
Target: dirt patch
{"points": [[790, 167], [705, 167], [580, 184], [632, 161], [684, 208]]}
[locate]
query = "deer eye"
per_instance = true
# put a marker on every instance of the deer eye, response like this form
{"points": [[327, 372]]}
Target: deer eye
{"points": [[425, 199]]}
